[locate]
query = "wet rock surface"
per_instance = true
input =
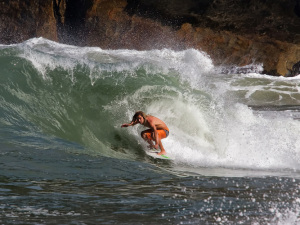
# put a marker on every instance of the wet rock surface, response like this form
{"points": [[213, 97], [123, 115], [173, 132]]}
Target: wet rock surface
{"points": [[232, 32]]}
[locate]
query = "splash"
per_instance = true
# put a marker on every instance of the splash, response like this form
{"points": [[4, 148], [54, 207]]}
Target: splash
{"points": [[82, 95]]}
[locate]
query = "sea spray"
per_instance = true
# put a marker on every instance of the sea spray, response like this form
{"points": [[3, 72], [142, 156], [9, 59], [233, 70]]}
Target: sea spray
{"points": [[64, 157], [84, 94]]}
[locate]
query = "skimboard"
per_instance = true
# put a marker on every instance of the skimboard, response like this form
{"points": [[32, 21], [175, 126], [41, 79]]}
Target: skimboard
{"points": [[153, 154]]}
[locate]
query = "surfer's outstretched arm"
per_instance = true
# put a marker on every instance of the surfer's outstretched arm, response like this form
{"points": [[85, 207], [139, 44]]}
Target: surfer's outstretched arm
{"points": [[129, 124]]}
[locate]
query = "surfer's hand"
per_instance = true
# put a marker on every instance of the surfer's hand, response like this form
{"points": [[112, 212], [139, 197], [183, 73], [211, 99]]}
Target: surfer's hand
{"points": [[125, 125], [156, 146]]}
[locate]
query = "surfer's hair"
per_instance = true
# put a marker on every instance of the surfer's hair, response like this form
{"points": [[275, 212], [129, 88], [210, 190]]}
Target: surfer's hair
{"points": [[139, 113]]}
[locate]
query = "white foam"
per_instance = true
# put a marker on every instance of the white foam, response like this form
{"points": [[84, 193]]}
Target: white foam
{"points": [[47, 55], [250, 141], [207, 128], [29, 210]]}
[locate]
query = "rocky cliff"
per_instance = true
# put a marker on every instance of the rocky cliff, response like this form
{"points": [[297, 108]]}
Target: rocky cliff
{"points": [[232, 32], [24, 19]]}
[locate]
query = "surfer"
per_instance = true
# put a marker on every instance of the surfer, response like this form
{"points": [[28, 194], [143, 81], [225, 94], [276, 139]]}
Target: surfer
{"points": [[158, 129]]}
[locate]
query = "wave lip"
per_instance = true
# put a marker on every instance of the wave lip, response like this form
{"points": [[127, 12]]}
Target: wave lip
{"points": [[82, 95]]}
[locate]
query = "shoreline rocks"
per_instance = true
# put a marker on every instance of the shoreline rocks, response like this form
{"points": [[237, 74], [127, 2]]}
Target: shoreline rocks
{"points": [[233, 33]]}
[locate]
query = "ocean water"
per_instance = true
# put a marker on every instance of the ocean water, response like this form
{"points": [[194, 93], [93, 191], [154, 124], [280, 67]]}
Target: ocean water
{"points": [[64, 159]]}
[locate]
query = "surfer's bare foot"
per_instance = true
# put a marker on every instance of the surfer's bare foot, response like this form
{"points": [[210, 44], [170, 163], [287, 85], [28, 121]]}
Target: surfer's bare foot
{"points": [[162, 153]]}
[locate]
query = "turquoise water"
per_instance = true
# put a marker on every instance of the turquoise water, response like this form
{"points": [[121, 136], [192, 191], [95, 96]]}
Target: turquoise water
{"points": [[66, 160]]}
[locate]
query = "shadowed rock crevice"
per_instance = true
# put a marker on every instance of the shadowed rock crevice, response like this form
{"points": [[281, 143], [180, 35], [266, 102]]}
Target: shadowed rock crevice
{"points": [[297, 8], [70, 16]]}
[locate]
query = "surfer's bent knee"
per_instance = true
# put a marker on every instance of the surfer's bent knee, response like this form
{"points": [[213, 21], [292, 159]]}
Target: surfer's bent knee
{"points": [[146, 135]]}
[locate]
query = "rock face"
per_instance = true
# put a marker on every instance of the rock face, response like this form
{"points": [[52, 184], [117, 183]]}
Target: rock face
{"points": [[295, 70], [24, 19], [232, 32]]}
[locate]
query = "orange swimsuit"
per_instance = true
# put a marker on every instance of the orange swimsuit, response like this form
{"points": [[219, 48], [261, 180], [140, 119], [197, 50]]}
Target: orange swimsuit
{"points": [[162, 134]]}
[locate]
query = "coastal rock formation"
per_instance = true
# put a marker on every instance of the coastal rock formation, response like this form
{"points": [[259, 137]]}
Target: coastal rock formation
{"points": [[295, 70], [232, 32], [21, 20]]}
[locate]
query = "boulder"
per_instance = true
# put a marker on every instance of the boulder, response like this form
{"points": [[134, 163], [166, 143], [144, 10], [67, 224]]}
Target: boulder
{"points": [[25, 19]]}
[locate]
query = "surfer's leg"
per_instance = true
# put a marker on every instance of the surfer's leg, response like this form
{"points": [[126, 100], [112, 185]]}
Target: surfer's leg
{"points": [[162, 149], [161, 135], [147, 136]]}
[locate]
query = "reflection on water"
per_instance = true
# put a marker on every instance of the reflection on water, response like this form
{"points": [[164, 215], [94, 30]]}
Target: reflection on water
{"points": [[169, 199]]}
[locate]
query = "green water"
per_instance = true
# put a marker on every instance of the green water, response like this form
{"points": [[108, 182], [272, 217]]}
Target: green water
{"points": [[66, 160]]}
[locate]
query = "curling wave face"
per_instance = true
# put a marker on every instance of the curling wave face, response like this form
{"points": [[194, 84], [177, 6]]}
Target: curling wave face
{"points": [[83, 95]]}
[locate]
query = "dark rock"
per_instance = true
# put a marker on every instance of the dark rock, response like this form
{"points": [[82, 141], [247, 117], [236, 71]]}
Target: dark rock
{"points": [[295, 70], [277, 19], [232, 32], [71, 30], [24, 19]]}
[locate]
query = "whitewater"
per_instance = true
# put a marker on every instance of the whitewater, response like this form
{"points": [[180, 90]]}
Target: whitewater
{"points": [[234, 138]]}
